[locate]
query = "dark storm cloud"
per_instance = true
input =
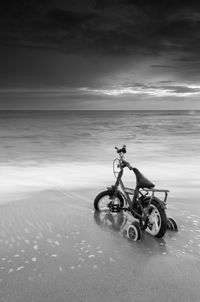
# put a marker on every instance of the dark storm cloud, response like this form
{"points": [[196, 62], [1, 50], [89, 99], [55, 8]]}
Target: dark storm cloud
{"points": [[68, 19], [162, 66], [165, 82], [182, 89], [189, 59], [111, 27]]}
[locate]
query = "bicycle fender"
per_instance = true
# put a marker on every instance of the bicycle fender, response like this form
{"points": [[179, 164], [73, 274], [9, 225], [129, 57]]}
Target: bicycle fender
{"points": [[112, 189], [161, 202]]}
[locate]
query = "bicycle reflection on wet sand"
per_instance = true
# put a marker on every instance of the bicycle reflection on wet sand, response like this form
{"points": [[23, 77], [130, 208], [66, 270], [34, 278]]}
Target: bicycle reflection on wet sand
{"points": [[118, 223]]}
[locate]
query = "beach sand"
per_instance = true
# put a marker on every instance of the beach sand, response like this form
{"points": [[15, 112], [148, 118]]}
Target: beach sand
{"points": [[54, 248]]}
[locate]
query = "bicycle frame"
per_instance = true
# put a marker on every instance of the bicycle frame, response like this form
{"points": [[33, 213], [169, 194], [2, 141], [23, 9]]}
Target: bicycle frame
{"points": [[148, 211], [136, 192]]}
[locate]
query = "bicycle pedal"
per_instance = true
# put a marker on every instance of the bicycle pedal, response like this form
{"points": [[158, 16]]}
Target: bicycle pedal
{"points": [[115, 208]]}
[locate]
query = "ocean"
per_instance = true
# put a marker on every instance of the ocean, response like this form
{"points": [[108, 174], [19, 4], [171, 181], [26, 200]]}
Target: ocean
{"points": [[74, 150]]}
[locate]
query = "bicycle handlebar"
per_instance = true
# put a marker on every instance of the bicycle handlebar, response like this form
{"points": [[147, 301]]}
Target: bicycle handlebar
{"points": [[124, 163], [122, 150]]}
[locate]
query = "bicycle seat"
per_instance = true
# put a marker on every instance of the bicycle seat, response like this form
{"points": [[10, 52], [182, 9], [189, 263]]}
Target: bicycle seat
{"points": [[142, 182]]}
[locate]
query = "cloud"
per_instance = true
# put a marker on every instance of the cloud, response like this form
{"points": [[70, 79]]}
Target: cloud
{"points": [[181, 90], [68, 19], [162, 66], [103, 27]]}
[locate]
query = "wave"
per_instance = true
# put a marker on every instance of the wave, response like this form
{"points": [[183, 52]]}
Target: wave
{"points": [[180, 179]]}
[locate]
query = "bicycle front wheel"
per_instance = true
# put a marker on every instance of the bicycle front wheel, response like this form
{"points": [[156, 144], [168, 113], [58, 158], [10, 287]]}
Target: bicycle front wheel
{"points": [[116, 167], [105, 199]]}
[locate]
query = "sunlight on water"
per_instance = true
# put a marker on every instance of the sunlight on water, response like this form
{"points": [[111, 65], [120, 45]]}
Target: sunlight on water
{"points": [[67, 177], [179, 179]]}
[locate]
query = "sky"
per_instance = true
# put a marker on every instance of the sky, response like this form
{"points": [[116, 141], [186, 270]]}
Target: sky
{"points": [[100, 54]]}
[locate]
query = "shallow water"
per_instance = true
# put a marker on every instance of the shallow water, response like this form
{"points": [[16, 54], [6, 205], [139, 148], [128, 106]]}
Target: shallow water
{"points": [[75, 149]]}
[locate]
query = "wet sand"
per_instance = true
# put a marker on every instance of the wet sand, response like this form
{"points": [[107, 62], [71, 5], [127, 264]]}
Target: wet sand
{"points": [[55, 248]]}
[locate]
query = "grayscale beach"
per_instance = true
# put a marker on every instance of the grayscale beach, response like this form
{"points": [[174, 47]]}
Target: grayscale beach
{"points": [[54, 247]]}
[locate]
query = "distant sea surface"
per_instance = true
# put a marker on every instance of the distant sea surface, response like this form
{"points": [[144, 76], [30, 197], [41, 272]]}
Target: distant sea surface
{"points": [[76, 148]]}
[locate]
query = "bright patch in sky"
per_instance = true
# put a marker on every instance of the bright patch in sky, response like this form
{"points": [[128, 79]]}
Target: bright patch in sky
{"points": [[178, 90]]}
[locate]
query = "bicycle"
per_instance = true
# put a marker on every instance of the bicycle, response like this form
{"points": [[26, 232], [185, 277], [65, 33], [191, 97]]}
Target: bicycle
{"points": [[148, 210]]}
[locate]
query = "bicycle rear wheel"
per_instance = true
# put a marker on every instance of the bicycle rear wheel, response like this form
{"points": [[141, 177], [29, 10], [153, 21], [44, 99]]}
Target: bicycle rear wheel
{"points": [[157, 224]]}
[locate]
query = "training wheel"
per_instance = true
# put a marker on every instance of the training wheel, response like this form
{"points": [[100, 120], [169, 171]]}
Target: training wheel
{"points": [[134, 231], [171, 224]]}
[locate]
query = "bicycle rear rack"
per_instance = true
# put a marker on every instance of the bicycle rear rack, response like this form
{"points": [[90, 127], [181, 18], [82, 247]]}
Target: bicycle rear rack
{"points": [[158, 190]]}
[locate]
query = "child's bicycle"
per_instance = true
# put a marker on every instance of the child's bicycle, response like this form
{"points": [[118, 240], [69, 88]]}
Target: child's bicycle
{"points": [[148, 210]]}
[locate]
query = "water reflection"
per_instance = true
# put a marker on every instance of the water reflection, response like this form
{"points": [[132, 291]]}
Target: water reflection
{"points": [[109, 220], [118, 223]]}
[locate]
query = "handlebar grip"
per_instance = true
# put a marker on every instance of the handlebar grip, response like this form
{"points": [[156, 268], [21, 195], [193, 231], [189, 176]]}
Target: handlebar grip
{"points": [[123, 149]]}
